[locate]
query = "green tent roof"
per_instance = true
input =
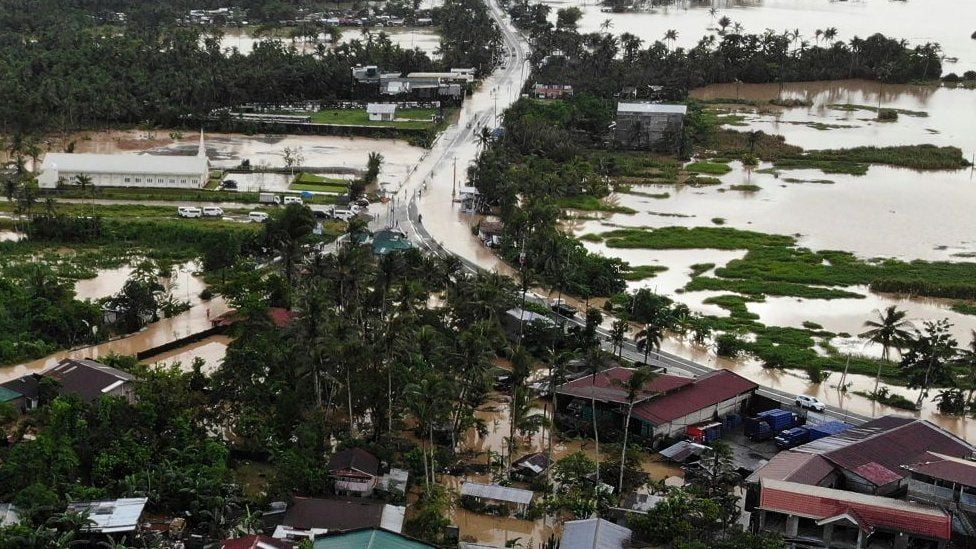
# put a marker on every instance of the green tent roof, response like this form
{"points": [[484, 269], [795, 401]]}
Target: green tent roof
{"points": [[387, 241], [6, 395], [369, 538]]}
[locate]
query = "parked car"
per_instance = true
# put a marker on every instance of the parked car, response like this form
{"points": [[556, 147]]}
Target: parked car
{"points": [[343, 215], [363, 203], [189, 211], [229, 185], [319, 214], [293, 200], [213, 211], [809, 402], [258, 217], [561, 307]]}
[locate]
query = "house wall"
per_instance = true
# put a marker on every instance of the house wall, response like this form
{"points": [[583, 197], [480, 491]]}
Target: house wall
{"points": [[50, 178], [730, 406], [649, 130]]}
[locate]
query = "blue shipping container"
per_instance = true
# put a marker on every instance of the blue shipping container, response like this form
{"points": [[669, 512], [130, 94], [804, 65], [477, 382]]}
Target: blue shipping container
{"points": [[779, 419], [827, 429], [792, 437]]}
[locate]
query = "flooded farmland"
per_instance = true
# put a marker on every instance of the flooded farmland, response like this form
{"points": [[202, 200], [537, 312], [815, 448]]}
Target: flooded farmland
{"points": [[917, 21]]}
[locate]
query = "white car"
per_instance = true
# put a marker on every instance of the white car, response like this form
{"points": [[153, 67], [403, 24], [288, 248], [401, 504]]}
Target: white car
{"points": [[258, 217], [293, 200], [343, 215], [809, 402], [213, 211], [189, 211]]}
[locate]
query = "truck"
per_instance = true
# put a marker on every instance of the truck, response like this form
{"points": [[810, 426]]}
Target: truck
{"points": [[792, 437], [766, 425], [705, 432], [269, 198]]}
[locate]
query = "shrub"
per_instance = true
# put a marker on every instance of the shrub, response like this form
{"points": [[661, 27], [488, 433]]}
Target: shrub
{"points": [[887, 115]]}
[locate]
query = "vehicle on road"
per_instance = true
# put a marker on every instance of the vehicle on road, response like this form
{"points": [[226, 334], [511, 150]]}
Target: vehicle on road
{"points": [[213, 211], [561, 307], [257, 217], [293, 200], [810, 403], [343, 215], [269, 198], [189, 211]]}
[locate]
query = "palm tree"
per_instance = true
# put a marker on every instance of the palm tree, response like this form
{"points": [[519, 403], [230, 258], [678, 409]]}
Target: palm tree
{"points": [[670, 36], [890, 330], [617, 334], [724, 22], [483, 137], [594, 362], [634, 387], [606, 25], [650, 337], [83, 181], [967, 358], [829, 34]]}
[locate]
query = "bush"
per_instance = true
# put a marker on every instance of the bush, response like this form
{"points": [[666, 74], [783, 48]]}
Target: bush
{"points": [[206, 294], [951, 77], [887, 115], [728, 345]]}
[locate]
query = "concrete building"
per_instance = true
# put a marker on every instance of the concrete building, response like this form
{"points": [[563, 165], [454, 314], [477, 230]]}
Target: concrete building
{"points": [[355, 471], [649, 126], [948, 482], [815, 516], [381, 112], [126, 169], [552, 91]]}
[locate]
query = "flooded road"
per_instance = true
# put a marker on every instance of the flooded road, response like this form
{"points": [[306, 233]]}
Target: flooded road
{"points": [[212, 350], [919, 22]]}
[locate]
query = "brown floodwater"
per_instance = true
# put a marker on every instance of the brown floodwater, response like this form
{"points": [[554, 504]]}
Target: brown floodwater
{"points": [[941, 21], [108, 282], [212, 350], [183, 285]]}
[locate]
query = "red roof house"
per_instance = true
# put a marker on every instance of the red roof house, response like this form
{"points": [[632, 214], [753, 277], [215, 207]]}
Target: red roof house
{"points": [[869, 514]]}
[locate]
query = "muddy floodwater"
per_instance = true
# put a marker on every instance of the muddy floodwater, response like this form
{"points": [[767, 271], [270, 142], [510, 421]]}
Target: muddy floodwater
{"points": [[183, 285], [947, 22], [212, 350], [425, 39]]}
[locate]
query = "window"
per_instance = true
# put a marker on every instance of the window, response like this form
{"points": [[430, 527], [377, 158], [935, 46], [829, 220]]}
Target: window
{"points": [[127, 180], [171, 181], [160, 180], [138, 180], [182, 180]]}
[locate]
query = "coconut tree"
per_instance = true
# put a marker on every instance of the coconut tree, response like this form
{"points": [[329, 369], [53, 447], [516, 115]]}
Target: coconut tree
{"points": [[594, 362], [670, 36], [635, 388], [891, 329], [967, 359], [723, 23], [650, 337], [829, 34], [617, 334]]}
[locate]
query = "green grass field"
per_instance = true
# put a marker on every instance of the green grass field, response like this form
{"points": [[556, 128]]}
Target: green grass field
{"points": [[406, 118], [318, 183]]}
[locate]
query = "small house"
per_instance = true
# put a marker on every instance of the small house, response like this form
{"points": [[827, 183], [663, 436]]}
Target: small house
{"points": [[530, 466], [381, 112], [308, 518], [649, 126], [23, 392], [90, 380], [388, 241], [490, 233], [355, 471], [552, 91], [594, 533], [498, 495], [114, 517]]}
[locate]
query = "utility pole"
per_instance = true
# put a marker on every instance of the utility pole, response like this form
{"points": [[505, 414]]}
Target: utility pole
{"points": [[454, 182]]}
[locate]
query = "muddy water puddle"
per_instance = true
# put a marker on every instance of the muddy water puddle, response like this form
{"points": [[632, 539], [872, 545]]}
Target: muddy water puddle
{"points": [[917, 22]]}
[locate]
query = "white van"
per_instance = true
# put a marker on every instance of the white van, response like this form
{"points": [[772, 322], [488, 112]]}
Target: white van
{"points": [[257, 217], [189, 211], [213, 211], [343, 215], [293, 200]]}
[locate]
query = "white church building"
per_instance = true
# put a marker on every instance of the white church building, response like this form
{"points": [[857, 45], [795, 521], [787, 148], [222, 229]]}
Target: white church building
{"points": [[127, 169]]}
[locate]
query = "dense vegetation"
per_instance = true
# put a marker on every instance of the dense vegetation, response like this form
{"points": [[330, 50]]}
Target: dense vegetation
{"points": [[604, 64], [61, 69]]}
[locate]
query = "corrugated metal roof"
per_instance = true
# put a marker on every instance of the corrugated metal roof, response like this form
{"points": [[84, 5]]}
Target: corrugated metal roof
{"points": [[708, 390], [607, 389], [355, 459], [594, 533], [794, 467], [528, 316], [652, 108], [7, 395], [86, 378], [372, 538], [126, 163], [8, 514], [497, 493], [877, 450], [392, 518], [870, 512], [952, 469], [120, 515], [381, 108], [682, 450]]}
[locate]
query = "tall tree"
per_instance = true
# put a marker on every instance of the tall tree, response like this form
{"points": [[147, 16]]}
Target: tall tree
{"points": [[890, 330]]}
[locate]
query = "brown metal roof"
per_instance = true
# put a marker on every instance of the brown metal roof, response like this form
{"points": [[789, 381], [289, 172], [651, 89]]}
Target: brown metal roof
{"points": [[879, 457], [86, 378], [605, 385], [794, 467], [708, 390], [333, 514], [355, 459], [943, 467]]}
